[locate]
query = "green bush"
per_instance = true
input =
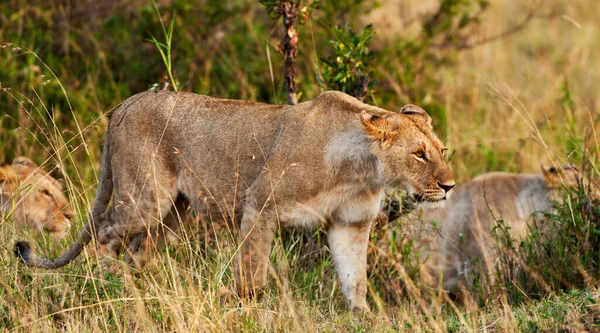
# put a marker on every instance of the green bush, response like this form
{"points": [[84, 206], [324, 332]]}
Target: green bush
{"points": [[348, 67]]}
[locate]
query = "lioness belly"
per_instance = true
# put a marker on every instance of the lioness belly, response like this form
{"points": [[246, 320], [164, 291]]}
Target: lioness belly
{"points": [[340, 205]]}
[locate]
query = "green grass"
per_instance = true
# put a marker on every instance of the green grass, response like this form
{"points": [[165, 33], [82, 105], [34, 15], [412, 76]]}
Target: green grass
{"points": [[504, 106], [189, 287], [174, 295]]}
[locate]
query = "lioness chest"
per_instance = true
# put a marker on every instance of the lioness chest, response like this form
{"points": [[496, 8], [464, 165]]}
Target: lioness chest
{"points": [[343, 204]]}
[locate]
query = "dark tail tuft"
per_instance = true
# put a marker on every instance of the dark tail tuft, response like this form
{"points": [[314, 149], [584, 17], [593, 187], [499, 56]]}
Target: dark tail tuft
{"points": [[23, 251]]}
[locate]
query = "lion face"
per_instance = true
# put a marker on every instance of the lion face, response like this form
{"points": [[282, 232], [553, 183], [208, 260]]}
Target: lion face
{"points": [[411, 155], [569, 177], [34, 197]]}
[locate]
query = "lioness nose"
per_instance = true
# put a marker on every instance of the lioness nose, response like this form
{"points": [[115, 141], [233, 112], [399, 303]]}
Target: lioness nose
{"points": [[446, 187]]}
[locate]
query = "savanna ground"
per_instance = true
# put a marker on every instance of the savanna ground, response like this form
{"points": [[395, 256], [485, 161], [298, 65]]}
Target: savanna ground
{"points": [[529, 96]]}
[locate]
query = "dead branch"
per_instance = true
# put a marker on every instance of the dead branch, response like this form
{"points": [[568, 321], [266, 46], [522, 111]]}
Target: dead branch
{"points": [[289, 46], [511, 31]]}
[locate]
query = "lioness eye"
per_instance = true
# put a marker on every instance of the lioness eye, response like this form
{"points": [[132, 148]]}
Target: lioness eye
{"points": [[45, 191], [420, 154]]}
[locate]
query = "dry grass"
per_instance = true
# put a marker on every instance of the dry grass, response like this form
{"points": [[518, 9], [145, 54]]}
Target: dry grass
{"points": [[505, 103], [501, 94]]}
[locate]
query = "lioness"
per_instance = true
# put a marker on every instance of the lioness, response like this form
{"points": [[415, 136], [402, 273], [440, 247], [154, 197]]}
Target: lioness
{"points": [[465, 223], [325, 161], [32, 197]]}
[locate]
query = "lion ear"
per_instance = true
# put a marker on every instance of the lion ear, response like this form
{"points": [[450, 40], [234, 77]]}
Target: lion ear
{"points": [[417, 112], [551, 174], [24, 161], [24, 166], [377, 127]]}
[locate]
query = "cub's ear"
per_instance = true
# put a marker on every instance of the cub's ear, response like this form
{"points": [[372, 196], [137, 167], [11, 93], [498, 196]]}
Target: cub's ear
{"points": [[24, 161], [24, 166], [417, 112], [377, 127]]}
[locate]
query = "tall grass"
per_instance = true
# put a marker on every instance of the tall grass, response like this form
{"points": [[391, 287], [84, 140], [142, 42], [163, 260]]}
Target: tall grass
{"points": [[506, 107], [165, 49]]}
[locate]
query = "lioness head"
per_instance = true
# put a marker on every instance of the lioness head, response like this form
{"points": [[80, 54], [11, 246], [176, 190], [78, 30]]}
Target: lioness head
{"points": [[411, 155], [34, 197], [569, 177]]}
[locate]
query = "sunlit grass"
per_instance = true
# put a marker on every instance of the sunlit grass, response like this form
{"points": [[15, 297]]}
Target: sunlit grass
{"points": [[509, 108]]}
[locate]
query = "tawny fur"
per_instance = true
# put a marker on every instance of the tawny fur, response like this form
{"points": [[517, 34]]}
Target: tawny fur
{"points": [[456, 240], [262, 167], [33, 198]]}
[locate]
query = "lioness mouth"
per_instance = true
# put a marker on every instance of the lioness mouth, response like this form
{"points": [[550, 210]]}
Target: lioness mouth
{"points": [[421, 198]]}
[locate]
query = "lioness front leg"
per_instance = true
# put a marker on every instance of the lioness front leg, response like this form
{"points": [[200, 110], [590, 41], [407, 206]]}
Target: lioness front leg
{"points": [[256, 235], [348, 245]]}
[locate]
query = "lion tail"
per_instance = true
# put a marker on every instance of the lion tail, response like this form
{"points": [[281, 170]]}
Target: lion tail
{"points": [[105, 188]]}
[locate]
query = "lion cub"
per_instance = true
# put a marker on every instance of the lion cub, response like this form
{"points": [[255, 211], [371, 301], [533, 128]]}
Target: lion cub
{"points": [[34, 198], [457, 235]]}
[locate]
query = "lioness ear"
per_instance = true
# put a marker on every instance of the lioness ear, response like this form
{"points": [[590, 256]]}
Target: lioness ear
{"points": [[413, 110], [550, 174], [377, 127]]}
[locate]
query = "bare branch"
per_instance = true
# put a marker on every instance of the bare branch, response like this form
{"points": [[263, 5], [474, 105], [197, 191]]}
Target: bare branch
{"points": [[511, 31], [289, 46]]}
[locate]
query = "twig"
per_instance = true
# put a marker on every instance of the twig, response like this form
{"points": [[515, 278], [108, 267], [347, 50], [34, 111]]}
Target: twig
{"points": [[501, 35], [289, 45]]}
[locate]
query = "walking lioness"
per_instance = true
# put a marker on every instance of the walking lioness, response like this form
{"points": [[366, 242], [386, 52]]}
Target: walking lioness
{"points": [[462, 246], [325, 161]]}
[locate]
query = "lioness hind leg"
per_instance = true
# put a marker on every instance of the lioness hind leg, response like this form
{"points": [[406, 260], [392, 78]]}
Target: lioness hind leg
{"points": [[142, 248], [348, 245], [256, 235], [171, 224], [134, 220]]}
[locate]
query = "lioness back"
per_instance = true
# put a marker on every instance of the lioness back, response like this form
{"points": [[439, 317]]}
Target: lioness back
{"points": [[166, 131]]}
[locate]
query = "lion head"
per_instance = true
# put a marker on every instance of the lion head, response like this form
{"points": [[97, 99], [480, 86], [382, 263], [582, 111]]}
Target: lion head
{"points": [[569, 177], [34, 198], [411, 155]]}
